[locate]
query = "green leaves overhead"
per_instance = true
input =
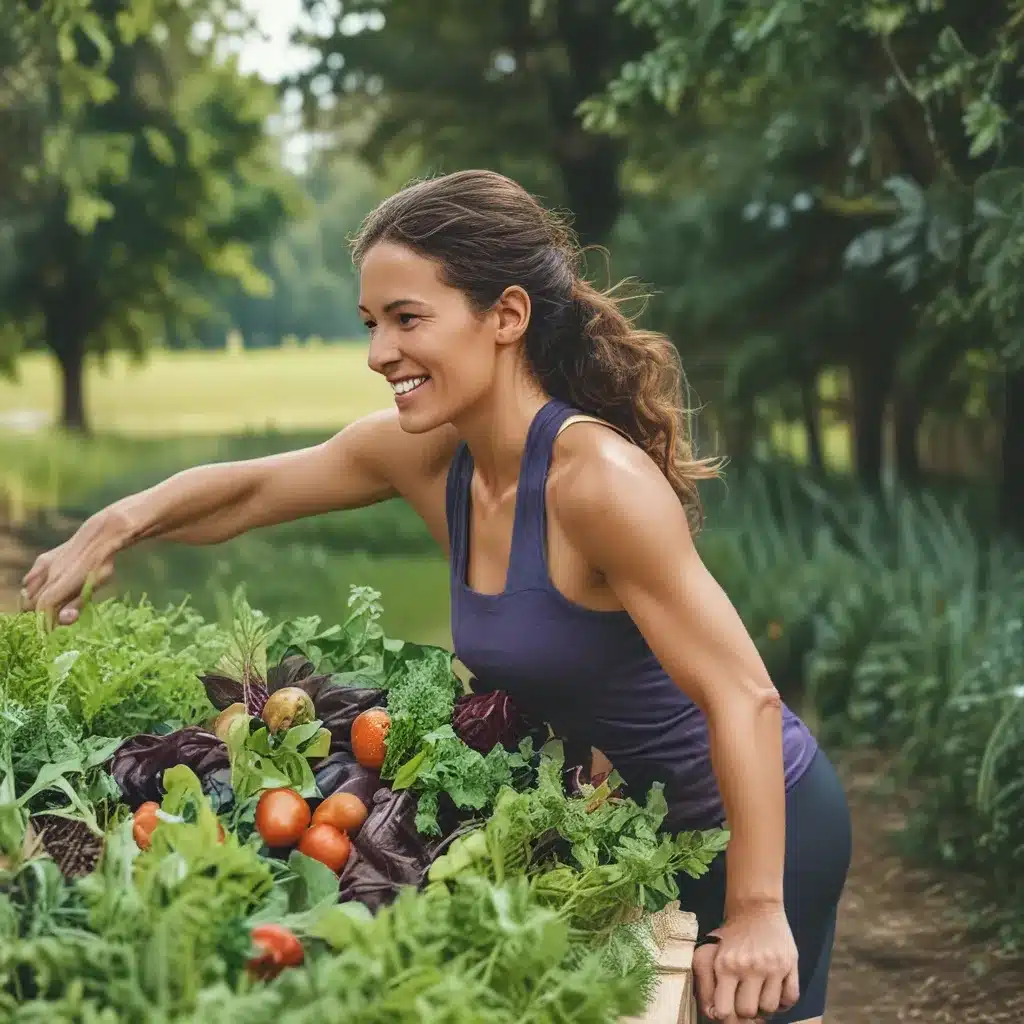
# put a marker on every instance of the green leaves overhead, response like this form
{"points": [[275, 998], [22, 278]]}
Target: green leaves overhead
{"points": [[454, 84], [914, 101]]}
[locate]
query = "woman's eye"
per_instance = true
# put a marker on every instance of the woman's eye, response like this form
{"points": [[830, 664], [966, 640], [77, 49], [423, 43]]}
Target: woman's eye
{"points": [[405, 319], [369, 325]]}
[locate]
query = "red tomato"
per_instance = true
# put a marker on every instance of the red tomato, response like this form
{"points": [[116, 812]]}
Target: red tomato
{"points": [[327, 845], [277, 947], [369, 731], [345, 811], [282, 816]]}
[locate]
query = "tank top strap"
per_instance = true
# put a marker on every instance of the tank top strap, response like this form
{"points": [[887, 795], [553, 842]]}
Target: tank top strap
{"points": [[456, 508], [528, 558]]}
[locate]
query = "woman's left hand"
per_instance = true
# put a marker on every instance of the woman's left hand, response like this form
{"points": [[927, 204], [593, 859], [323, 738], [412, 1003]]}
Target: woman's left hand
{"points": [[752, 971]]}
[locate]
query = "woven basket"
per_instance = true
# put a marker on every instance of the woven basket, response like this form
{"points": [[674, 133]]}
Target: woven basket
{"points": [[675, 932]]}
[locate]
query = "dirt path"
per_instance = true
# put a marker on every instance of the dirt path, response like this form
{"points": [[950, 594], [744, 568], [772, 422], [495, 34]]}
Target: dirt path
{"points": [[15, 559], [903, 952]]}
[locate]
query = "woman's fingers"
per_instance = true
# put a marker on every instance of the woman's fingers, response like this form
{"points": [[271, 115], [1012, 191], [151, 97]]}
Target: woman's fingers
{"points": [[35, 578], [724, 1004], [790, 990], [703, 967], [59, 590], [69, 613], [750, 997], [771, 995]]}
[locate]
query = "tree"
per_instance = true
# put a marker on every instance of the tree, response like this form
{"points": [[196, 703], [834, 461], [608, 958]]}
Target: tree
{"points": [[315, 290], [154, 175], [459, 83], [918, 109]]}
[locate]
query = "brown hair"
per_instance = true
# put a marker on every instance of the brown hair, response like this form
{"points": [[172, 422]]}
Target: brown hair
{"points": [[488, 233]]}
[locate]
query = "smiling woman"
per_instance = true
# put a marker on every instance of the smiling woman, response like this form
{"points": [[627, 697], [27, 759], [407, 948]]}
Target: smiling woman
{"points": [[575, 582]]}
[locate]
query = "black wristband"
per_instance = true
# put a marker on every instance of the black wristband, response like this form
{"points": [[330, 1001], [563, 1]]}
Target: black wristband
{"points": [[707, 940]]}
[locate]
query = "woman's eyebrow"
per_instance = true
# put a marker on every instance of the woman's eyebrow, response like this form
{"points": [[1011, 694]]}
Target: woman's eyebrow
{"points": [[395, 303]]}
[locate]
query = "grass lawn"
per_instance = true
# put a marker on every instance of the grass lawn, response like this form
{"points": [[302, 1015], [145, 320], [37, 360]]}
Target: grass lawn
{"points": [[308, 388], [175, 410]]}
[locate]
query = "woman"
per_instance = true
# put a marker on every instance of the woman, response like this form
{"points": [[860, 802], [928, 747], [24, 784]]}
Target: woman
{"points": [[543, 440]]}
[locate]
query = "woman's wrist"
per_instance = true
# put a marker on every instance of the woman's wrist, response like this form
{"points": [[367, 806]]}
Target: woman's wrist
{"points": [[117, 528], [750, 903]]}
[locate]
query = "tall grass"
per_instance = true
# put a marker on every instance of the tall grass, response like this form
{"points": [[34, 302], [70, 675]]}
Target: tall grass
{"points": [[906, 628]]}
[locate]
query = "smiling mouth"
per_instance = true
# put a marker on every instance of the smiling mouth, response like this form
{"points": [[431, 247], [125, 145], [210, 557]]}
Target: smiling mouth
{"points": [[410, 384]]}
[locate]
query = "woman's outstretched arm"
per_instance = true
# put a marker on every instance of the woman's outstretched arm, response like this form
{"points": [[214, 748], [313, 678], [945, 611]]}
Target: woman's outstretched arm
{"points": [[368, 462]]}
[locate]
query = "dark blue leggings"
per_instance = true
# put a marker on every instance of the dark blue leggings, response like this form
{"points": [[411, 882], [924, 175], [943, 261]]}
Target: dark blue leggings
{"points": [[818, 849]]}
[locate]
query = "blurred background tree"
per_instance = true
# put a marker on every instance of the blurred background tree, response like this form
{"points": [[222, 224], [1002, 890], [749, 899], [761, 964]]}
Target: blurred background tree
{"points": [[868, 160], [145, 166]]}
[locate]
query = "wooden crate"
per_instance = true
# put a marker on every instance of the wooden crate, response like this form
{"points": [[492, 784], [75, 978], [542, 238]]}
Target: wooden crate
{"points": [[675, 932]]}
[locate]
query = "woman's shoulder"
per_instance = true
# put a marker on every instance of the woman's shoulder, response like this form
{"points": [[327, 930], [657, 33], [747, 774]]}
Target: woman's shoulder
{"points": [[614, 504], [407, 460], [595, 469]]}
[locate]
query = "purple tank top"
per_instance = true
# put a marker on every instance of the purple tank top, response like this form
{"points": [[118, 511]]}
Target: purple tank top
{"points": [[590, 674]]}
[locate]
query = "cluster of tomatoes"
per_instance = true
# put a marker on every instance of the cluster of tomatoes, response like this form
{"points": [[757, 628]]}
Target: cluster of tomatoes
{"points": [[284, 820]]}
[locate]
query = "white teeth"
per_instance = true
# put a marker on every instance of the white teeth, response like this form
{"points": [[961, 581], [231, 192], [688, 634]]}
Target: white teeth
{"points": [[403, 387]]}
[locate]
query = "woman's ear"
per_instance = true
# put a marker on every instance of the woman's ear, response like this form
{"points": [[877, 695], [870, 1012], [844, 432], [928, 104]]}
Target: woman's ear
{"points": [[513, 311]]}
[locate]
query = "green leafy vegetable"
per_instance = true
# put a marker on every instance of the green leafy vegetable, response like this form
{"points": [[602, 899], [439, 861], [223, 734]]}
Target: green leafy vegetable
{"points": [[421, 696]]}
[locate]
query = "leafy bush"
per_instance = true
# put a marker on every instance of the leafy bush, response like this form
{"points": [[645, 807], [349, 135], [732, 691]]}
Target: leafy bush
{"points": [[905, 627]]}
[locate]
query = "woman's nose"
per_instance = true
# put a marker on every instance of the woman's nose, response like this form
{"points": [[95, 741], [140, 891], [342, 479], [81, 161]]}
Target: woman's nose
{"points": [[383, 352]]}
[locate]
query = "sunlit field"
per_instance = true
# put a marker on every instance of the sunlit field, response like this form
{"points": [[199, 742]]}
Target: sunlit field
{"points": [[314, 387]]}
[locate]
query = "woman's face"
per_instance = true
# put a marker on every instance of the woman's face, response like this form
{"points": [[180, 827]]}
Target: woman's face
{"points": [[438, 354]]}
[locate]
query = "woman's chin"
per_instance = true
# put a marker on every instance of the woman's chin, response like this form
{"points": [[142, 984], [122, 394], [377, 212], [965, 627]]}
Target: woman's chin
{"points": [[419, 421]]}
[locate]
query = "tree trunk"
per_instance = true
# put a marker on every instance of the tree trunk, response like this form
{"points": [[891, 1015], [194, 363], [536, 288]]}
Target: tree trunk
{"points": [[597, 41], [812, 423], [871, 374], [740, 432], [907, 418], [914, 398], [66, 339], [1011, 492], [72, 368], [591, 176]]}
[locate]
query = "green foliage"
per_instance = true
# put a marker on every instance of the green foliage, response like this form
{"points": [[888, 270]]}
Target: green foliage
{"points": [[98, 674], [851, 179], [314, 287], [906, 625], [459, 84], [163, 936], [607, 855]]}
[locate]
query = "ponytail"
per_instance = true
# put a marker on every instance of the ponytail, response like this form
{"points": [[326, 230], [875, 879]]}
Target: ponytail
{"points": [[633, 379]]}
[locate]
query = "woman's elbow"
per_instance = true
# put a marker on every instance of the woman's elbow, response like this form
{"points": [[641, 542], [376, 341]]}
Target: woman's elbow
{"points": [[750, 698]]}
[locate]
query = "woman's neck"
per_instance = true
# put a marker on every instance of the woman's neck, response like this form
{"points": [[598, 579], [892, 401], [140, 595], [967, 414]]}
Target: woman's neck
{"points": [[496, 429]]}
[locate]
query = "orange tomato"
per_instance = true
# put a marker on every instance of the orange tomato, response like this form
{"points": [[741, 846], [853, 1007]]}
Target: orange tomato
{"points": [[277, 948], [282, 816], [345, 811], [369, 731], [143, 823], [326, 844]]}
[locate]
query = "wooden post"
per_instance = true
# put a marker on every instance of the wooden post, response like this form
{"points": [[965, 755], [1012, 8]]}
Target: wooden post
{"points": [[675, 932]]}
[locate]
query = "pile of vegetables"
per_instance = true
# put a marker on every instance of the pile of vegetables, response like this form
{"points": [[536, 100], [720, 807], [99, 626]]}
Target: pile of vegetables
{"points": [[289, 823]]}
